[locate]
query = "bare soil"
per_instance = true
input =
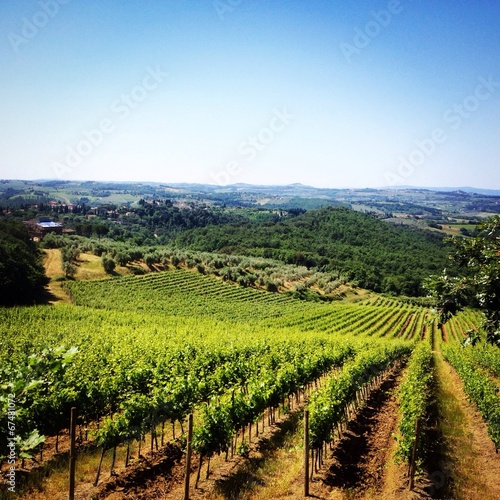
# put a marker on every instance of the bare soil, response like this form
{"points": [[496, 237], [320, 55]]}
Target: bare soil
{"points": [[358, 466], [226, 477], [476, 473], [153, 477]]}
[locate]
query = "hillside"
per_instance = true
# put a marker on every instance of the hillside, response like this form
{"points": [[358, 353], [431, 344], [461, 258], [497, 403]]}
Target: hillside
{"points": [[22, 279], [150, 349], [364, 249]]}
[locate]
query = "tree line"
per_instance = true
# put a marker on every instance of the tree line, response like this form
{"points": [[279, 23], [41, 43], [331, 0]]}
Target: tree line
{"points": [[367, 251]]}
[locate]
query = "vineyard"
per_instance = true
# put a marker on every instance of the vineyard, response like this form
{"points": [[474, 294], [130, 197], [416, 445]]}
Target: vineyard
{"points": [[136, 355]]}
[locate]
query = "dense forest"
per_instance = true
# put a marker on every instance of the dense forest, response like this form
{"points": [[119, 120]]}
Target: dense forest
{"points": [[370, 252]]}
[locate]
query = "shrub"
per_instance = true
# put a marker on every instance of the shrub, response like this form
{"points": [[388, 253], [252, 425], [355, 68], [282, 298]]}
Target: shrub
{"points": [[108, 264]]}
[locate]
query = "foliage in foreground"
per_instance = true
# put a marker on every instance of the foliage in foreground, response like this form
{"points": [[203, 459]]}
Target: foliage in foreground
{"points": [[414, 398], [479, 285], [22, 276], [479, 387], [24, 392]]}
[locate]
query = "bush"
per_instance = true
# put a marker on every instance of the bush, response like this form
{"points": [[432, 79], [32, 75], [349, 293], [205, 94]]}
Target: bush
{"points": [[137, 270], [108, 264], [122, 258]]}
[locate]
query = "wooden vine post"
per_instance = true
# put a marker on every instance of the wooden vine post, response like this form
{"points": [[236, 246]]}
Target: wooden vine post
{"points": [[188, 456], [306, 453], [413, 463], [72, 454]]}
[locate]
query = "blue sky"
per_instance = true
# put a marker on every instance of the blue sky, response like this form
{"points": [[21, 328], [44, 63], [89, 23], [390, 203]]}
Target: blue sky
{"points": [[330, 94]]}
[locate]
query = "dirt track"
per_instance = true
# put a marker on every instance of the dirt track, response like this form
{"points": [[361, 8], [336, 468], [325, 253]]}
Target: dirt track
{"points": [[53, 263], [53, 269], [476, 474], [358, 461]]}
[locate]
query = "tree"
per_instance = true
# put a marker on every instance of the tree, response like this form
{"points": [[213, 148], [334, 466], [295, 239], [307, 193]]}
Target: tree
{"points": [[479, 284], [70, 254], [122, 257], [151, 258], [69, 268], [22, 276], [100, 230], [108, 264]]}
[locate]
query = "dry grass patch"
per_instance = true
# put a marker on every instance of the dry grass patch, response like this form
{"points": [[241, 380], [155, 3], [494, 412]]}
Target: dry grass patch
{"points": [[470, 461]]}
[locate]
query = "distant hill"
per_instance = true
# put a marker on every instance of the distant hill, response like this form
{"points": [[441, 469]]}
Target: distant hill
{"points": [[464, 189], [364, 249]]}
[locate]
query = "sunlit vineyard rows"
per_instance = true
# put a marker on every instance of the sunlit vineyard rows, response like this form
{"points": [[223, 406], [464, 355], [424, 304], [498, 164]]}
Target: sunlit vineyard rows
{"points": [[153, 348], [173, 329], [185, 293], [133, 324]]}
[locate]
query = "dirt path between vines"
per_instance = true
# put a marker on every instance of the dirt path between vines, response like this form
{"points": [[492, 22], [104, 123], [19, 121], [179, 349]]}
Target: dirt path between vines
{"points": [[360, 465], [360, 462], [469, 453], [53, 269], [169, 483]]}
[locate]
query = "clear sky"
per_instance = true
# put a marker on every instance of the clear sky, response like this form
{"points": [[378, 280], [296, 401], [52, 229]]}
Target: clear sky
{"points": [[326, 93]]}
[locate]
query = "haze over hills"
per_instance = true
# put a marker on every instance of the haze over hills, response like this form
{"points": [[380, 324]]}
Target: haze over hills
{"points": [[294, 185], [465, 189], [438, 203], [468, 189]]}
